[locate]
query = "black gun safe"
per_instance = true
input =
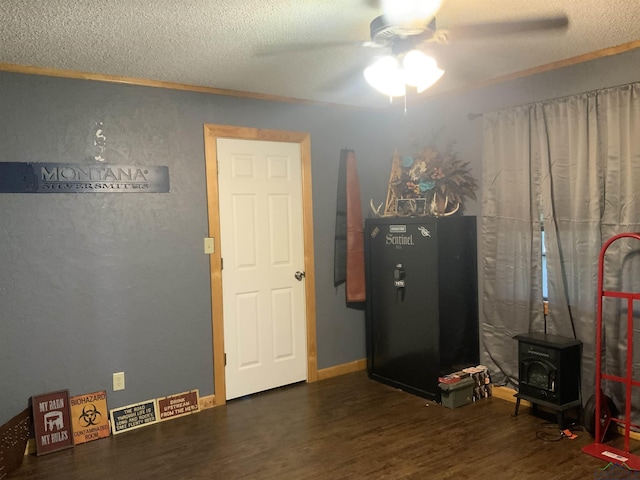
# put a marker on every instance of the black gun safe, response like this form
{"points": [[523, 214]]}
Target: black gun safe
{"points": [[422, 300]]}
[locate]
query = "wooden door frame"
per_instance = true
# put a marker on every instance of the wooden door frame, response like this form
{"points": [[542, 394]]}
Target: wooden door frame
{"points": [[211, 135]]}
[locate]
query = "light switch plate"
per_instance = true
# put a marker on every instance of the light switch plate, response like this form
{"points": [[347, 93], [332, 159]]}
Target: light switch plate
{"points": [[209, 245]]}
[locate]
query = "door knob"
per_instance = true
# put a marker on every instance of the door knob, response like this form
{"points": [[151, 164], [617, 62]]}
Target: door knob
{"points": [[299, 276]]}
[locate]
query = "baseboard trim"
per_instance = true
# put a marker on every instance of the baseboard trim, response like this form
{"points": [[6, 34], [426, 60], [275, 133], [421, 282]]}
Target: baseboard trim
{"points": [[31, 447], [342, 369], [508, 394], [208, 401]]}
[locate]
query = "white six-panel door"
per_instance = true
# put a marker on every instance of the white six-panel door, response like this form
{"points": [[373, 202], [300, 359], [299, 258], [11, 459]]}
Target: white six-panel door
{"points": [[260, 202]]}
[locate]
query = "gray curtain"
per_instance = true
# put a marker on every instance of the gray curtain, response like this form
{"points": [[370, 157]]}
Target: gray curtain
{"points": [[574, 164], [511, 243]]}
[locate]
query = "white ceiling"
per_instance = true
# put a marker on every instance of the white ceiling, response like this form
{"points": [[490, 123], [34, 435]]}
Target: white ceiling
{"points": [[214, 43]]}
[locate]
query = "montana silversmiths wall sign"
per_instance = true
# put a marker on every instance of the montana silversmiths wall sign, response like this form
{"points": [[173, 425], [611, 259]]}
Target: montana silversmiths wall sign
{"points": [[18, 177]]}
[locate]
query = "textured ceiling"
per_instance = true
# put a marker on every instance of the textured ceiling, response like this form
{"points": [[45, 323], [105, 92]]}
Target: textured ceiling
{"points": [[215, 43]]}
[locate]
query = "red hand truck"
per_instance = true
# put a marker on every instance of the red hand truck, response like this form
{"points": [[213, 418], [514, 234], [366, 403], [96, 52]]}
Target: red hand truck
{"points": [[604, 414]]}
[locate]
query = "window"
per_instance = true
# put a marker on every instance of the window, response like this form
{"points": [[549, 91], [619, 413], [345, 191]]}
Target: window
{"points": [[545, 287], [545, 290]]}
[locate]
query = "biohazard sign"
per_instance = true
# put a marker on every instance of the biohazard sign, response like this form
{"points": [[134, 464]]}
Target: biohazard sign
{"points": [[51, 421], [89, 417]]}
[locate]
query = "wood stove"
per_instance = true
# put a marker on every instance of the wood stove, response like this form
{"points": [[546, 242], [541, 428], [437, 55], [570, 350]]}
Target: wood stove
{"points": [[549, 372]]}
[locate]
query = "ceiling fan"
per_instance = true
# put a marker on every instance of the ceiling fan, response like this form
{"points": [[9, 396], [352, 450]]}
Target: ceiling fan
{"points": [[407, 28]]}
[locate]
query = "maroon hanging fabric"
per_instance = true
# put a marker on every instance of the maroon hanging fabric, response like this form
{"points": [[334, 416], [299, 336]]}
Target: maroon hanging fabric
{"points": [[355, 280]]}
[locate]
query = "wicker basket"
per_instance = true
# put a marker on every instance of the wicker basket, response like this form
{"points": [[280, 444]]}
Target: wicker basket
{"points": [[13, 442]]}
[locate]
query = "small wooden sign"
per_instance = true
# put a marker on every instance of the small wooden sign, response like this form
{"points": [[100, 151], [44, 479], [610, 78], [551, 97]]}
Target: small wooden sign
{"points": [[133, 416], [89, 417], [52, 422], [178, 405]]}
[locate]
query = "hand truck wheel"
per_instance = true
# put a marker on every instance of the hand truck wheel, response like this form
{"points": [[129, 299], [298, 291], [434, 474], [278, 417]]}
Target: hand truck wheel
{"points": [[609, 411]]}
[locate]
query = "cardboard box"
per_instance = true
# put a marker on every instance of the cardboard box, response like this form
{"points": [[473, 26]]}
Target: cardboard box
{"points": [[457, 394]]}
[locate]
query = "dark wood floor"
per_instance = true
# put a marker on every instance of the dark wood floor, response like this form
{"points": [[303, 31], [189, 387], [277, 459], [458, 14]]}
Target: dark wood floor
{"points": [[344, 427]]}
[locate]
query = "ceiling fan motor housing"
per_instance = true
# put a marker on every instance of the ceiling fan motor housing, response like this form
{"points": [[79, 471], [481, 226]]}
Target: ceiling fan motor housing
{"points": [[384, 33]]}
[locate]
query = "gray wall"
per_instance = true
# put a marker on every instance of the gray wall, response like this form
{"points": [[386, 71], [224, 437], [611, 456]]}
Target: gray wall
{"points": [[93, 284]]}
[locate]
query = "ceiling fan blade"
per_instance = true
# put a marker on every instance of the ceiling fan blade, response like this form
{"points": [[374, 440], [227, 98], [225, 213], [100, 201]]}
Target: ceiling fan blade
{"points": [[344, 79], [304, 47], [480, 30]]}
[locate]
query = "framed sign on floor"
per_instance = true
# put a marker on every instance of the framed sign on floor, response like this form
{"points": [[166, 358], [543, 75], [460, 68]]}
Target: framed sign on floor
{"points": [[89, 417], [52, 422]]}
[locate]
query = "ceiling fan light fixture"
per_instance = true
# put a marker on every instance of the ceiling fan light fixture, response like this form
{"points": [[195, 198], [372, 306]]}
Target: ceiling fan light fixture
{"points": [[420, 70], [410, 12], [386, 76]]}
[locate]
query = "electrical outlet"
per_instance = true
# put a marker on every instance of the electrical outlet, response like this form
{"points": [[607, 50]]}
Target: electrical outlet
{"points": [[118, 381]]}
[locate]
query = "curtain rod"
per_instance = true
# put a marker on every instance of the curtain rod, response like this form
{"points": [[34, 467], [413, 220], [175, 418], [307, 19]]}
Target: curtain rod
{"points": [[473, 116]]}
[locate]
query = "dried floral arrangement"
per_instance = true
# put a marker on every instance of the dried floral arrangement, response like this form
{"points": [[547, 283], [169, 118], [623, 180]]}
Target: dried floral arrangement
{"points": [[429, 183]]}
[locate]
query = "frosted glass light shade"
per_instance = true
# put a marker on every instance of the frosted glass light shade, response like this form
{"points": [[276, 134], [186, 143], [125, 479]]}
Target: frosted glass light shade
{"points": [[420, 70], [386, 76]]}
